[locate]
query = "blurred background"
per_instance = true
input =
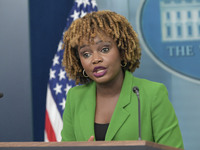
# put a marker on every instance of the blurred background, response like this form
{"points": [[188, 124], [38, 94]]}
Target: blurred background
{"points": [[30, 31]]}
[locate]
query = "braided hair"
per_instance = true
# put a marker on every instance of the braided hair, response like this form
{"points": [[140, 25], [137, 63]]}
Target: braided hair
{"points": [[94, 24]]}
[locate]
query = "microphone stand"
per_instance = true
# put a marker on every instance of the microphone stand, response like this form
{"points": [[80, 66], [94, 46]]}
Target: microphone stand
{"points": [[136, 91]]}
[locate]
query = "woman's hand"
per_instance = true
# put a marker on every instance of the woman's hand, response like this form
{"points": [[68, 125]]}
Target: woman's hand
{"points": [[91, 138]]}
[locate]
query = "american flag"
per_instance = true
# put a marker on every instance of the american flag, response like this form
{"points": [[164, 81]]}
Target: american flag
{"points": [[59, 84]]}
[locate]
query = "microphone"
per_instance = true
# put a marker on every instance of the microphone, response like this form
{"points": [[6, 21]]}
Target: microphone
{"points": [[136, 91], [1, 95]]}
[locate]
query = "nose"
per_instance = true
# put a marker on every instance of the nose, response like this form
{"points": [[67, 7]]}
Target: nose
{"points": [[96, 59]]}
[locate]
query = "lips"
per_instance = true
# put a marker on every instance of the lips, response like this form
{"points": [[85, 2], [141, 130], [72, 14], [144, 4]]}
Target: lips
{"points": [[99, 71]]}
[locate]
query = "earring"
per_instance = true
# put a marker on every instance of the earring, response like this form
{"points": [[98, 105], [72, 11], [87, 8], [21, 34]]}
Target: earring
{"points": [[84, 74], [124, 64]]}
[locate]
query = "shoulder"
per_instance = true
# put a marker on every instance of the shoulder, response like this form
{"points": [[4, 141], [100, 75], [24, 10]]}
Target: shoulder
{"points": [[82, 88], [150, 91], [80, 91], [140, 82], [147, 85], [146, 82]]}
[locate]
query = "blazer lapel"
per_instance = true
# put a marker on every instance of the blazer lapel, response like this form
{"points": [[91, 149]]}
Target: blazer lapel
{"points": [[120, 114], [88, 112]]}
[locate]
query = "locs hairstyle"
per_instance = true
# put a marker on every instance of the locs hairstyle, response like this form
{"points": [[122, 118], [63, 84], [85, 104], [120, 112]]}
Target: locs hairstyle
{"points": [[98, 23]]}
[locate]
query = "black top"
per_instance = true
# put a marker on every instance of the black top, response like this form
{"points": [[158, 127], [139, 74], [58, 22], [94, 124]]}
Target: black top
{"points": [[100, 131]]}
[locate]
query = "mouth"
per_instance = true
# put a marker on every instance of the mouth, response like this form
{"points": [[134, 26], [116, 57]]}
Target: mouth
{"points": [[99, 71]]}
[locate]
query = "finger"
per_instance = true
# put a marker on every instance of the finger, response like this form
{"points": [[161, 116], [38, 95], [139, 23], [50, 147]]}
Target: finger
{"points": [[91, 138]]}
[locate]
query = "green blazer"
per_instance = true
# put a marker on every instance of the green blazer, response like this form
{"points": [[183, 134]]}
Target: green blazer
{"points": [[158, 120]]}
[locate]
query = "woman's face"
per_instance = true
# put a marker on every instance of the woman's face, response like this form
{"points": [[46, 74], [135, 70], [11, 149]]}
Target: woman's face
{"points": [[101, 60]]}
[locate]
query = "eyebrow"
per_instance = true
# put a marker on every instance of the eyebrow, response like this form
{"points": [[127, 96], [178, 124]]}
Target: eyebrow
{"points": [[88, 45]]}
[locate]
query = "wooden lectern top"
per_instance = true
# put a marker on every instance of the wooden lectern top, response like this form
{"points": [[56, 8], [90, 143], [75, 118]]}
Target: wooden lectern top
{"points": [[97, 145]]}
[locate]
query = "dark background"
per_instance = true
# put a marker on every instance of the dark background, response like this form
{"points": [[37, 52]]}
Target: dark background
{"points": [[47, 22]]}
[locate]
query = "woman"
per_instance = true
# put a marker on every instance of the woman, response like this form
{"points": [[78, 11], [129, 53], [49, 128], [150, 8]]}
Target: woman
{"points": [[101, 52]]}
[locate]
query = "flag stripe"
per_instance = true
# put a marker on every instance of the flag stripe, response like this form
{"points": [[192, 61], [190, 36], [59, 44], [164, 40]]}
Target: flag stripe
{"points": [[54, 115], [45, 134], [49, 130]]}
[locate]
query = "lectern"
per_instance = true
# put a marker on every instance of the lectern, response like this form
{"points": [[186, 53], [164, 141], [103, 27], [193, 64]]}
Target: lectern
{"points": [[98, 145]]}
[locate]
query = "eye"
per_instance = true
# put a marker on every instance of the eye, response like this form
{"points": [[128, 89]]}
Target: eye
{"points": [[86, 54], [105, 49]]}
